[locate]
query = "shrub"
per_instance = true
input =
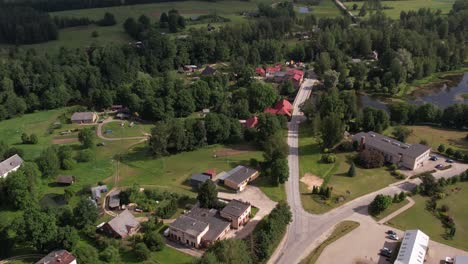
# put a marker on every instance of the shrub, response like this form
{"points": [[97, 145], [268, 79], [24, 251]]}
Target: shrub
{"points": [[379, 204], [441, 148], [346, 146], [444, 208], [85, 155], [370, 159], [458, 155], [142, 252], [449, 152], [154, 241], [328, 158]]}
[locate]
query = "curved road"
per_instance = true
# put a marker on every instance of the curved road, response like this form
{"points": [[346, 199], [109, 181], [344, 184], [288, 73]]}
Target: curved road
{"points": [[307, 230]]}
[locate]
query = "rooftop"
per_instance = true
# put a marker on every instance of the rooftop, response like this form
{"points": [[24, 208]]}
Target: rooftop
{"points": [[200, 177], [208, 71], [413, 247], [77, 116], [65, 179], [235, 208], [57, 257], [123, 223], [189, 225], [391, 145], [239, 174], [10, 163], [212, 218]]}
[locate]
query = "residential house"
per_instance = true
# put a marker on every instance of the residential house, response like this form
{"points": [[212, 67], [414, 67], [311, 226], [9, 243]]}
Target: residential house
{"points": [[114, 200], [270, 71], [251, 122], [209, 71], [282, 107], [238, 212], [122, 226], [460, 260], [259, 71], [275, 74], [411, 156], [413, 248], [84, 118], [239, 177], [10, 165], [65, 180], [58, 257]]}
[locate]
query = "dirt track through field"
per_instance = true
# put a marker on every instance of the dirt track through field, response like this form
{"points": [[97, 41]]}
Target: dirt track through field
{"points": [[64, 140], [224, 152]]}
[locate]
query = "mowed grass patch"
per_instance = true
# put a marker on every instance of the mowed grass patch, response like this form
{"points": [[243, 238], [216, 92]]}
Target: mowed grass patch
{"points": [[172, 172], [326, 8], [455, 139], [339, 231], [417, 217], [275, 193], [118, 131], [345, 188], [391, 209]]}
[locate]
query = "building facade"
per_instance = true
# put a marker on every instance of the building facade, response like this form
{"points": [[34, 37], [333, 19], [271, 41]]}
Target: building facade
{"points": [[239, 177], [84, 117], [411, 156], [238, 212]]}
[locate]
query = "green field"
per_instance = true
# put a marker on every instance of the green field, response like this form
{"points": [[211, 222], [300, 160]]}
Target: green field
{"points": [[417, 217], [339, 231], [395, 7], [392, 208], [118, 131], [326, 8], [436, 136], [334, 175]]}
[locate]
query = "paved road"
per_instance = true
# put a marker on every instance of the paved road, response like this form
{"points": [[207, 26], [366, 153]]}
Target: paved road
{"points": [[307, 230]]}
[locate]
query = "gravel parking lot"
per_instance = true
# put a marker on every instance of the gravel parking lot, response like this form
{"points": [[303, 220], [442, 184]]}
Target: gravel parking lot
{"points": [[429, 165]]}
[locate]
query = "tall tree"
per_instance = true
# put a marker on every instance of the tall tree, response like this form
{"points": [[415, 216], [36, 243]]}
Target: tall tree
{"points": [[208, 195]]}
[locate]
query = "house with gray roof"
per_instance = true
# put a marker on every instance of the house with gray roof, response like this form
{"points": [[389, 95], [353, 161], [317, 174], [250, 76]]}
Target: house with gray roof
{"points": [[84, 117], [411, 156], [10, 165], [114, 199], [97, 191], [239, 177], [237, 211], [122, 226], [198, 179]]}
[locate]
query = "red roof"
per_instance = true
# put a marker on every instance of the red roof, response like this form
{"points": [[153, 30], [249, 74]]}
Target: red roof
{"points": [[251, 122], [282, 107], [297, 77], [276, 68], [260, 71], [210, 172], [283, 104], [59, 257], [295, 71]]}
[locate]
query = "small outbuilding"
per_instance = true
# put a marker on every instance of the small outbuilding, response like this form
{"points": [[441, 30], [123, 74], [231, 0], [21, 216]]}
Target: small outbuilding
{"points": [[65, 180], [84, 118], [10, 165], [97, 191], [239, 177], [198, 179], [114, 200]]}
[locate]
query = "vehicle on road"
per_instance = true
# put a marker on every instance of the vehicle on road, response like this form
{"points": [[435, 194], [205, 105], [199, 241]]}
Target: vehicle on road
{"points": [[449, 160], [385, 249], [439, 166], [393, 237], [433, 158], [391, 232]]}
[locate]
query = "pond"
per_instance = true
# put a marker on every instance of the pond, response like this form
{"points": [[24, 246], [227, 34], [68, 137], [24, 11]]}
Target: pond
{"points": [[443, 96]]}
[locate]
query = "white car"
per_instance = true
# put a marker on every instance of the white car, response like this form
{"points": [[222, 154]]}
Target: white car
{"points": [[393, 237]]}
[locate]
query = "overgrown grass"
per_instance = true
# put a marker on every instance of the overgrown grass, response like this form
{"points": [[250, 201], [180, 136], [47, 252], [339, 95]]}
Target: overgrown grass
{"points": [[326, 8], [339, 231], [417, 217]]}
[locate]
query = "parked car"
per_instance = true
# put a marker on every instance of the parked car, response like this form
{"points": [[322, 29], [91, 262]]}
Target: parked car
{"points": [[393, 237], [449, 161], [439, 166], [384, 249], [100, 121], [385, 254], [434, 158], [101, 144], [391, 232], [448, 260]]}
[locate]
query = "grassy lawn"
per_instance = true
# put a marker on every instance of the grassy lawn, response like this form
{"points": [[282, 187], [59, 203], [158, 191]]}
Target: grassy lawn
{"points": [[326, 8], [275, 193], [118, 131], [436, 136], [417, 217], [395, 7], [340, 230], [173, 171], [334, 175], [392, 208]]}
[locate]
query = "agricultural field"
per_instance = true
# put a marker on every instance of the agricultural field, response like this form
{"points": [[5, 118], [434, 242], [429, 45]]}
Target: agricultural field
{"points": [[335, 175], [457, 202], [455, 139], [395, 7]]}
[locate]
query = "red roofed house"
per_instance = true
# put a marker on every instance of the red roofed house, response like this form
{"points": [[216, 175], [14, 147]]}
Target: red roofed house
{"points": [[211, 173], [296, 76], [270, 71], [259, 71], [283, 107], [251, 122], [58, 257]]}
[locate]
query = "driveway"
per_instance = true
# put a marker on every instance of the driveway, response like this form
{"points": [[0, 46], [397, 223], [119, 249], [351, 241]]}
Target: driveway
{"points": [[371, 238], [258, 199], [456, 169]]}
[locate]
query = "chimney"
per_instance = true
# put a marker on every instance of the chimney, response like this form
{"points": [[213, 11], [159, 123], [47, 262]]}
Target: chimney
{"points": [[362, 145]]}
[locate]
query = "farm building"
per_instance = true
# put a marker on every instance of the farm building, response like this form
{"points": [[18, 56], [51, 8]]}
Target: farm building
{"points": [[65, 180], [58, 257], [84, 118], [10, 165], [96, 192], [239, 177], [238, 212], [114, 199], [413, 248], [411, 156], [122, 226]]}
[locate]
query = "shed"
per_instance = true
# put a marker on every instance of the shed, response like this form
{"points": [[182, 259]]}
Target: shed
{"points": [[65, 179], [198, 179]]}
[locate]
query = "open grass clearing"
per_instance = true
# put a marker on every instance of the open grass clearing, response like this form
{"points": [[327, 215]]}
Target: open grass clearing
{"points": [[455, 139], [391, 209], [417, 217], [339, 231], [275, 193], [345, 188], [326, 8], [119, 131]]}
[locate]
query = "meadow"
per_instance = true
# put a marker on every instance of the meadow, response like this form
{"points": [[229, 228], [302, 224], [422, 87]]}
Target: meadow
{"points": [[457, 202], [118, 131], [395, 7], [335, 175], [326, 8]]}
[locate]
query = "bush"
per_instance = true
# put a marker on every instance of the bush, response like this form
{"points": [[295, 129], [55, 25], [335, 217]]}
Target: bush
{"points": [[142, 252], [328, 158], [154, 241], [370, 159], [449, 152], [444, 208], [85, 155], [379, 204], [346, 146]]}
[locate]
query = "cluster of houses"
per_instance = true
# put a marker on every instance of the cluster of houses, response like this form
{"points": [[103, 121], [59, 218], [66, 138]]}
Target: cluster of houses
{"points": [[282, 107], [200, 227], [236, 179], [277, 75]]}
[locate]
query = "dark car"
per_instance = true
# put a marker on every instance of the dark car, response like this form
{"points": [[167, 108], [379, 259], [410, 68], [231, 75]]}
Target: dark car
{"points": [[434, 158], [449, 161], [439, 166], [385, 254], [391, 232]]}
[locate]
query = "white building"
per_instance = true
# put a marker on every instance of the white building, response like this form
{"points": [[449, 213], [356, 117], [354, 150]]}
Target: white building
{"points": [[411, 156], [413, 248], [10, 165], [460, 260]]}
